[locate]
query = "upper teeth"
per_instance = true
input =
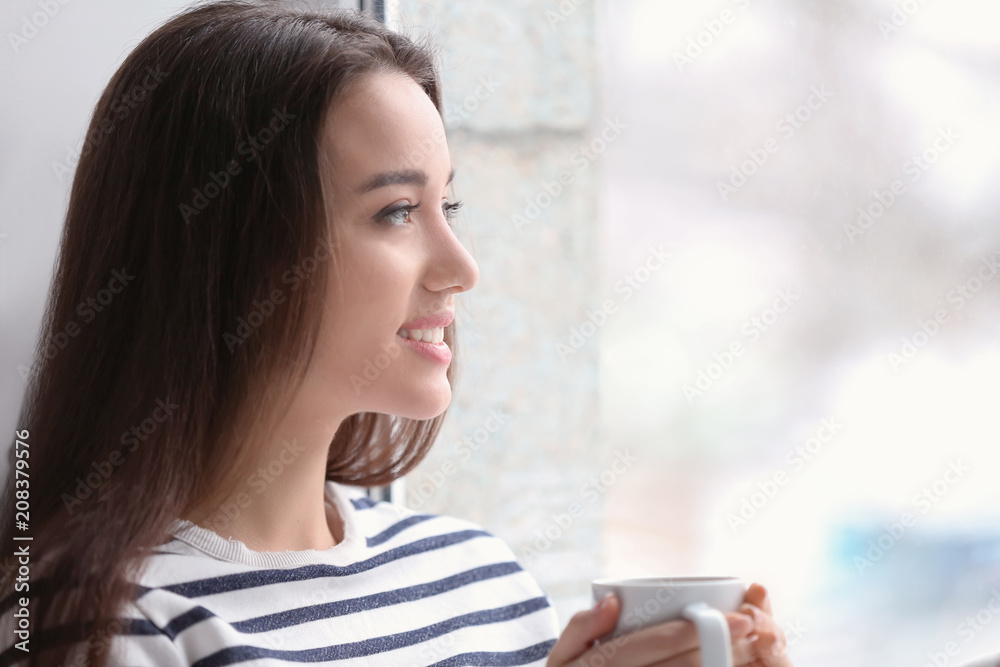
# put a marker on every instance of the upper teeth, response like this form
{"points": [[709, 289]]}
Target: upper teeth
{"points": [[426, 335]]}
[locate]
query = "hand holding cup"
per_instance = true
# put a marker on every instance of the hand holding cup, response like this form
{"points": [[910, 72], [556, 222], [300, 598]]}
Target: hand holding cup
{"points": [[668, 621]]}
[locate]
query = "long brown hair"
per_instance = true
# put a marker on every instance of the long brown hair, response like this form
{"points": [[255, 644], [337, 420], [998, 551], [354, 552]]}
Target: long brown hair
{"points": [[197, 199]]}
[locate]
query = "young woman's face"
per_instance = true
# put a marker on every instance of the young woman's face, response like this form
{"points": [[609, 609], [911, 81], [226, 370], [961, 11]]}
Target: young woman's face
{"points": [[395, 265]]}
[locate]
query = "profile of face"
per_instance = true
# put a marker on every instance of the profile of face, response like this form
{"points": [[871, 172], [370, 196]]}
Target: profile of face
{"points": [[398, 263]]}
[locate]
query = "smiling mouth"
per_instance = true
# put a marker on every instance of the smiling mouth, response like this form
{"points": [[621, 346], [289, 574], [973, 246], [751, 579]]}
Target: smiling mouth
{"points": [[433, 336]]}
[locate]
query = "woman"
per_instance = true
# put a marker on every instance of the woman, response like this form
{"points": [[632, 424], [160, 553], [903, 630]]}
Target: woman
{"points": [[252, 317]]}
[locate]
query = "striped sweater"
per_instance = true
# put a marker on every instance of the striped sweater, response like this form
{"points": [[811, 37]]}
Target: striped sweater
{"points": [[401, 588]]}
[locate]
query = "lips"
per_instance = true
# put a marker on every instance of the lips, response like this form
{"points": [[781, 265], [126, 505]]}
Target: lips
{"points": [[437, 321]]}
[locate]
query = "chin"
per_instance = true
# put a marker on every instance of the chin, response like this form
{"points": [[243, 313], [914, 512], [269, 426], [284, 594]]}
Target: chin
{"points": [[427, 406]]}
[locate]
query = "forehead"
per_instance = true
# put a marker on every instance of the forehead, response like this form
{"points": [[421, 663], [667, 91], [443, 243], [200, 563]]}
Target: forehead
{"points": [[384, 122]]}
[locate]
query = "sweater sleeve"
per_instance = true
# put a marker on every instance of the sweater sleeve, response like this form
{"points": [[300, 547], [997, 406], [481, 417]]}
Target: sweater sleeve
{"points": [[142, 644], [139, 644]]}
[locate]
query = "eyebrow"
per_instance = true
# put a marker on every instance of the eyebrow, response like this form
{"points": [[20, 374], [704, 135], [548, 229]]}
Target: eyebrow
{"points": [[408, 177]]}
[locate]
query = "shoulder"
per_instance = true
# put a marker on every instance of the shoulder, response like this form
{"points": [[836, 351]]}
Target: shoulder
{"points": [[388, 524], [130, 639], [400, 573], [138, 641], [439, 543]]}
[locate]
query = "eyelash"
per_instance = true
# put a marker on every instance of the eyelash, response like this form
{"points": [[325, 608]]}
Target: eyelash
{"points": [[450, 210]]}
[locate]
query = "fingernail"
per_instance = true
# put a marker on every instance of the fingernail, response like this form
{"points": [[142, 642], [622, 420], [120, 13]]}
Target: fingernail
{"points": [[603, 604]]}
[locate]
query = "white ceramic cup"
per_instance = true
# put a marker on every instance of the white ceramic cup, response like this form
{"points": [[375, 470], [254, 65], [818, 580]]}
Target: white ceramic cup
{"points": [[647, 601]]}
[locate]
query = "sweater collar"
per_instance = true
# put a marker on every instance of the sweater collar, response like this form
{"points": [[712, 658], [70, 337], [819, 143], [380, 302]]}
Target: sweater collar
{"points": [[347, 551]]}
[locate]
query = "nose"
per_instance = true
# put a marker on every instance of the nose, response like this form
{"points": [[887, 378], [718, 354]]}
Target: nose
{"points": [[450, 267]]}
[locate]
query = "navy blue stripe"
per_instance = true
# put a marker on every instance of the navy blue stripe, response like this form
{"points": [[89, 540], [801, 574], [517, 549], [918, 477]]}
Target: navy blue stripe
{"points": [[397, 527], [363, 503], [186, 620], [385, 599], [141, 626], [70, 634], [496, 659], [174, 627], [257, 578], [235, 654], [301, 615]]}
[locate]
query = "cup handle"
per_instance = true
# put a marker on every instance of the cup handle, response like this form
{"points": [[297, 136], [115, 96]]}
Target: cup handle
{"points": [[713, 634]]}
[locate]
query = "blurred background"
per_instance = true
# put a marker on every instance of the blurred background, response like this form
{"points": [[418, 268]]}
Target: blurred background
{"points": [[738, 308]]}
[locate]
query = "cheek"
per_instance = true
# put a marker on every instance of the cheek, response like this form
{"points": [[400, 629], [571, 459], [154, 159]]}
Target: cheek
{"points": [[371, 292], [382, 296], [365, 311], [374, 271]]}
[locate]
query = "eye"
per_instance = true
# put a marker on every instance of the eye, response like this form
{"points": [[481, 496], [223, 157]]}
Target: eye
{"points": [[450, 209], [398, 215]]}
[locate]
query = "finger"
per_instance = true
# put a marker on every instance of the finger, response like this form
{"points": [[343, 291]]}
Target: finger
{"points": [[762, 622], [741, 624], [583, 628], [769, 643], [754, 612], [743, 652], [657, 643], [643, 647], [757, 596], [742, 655]]}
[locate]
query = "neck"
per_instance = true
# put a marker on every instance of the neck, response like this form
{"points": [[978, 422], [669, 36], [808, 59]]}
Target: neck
{"points": [[280, 504]]}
